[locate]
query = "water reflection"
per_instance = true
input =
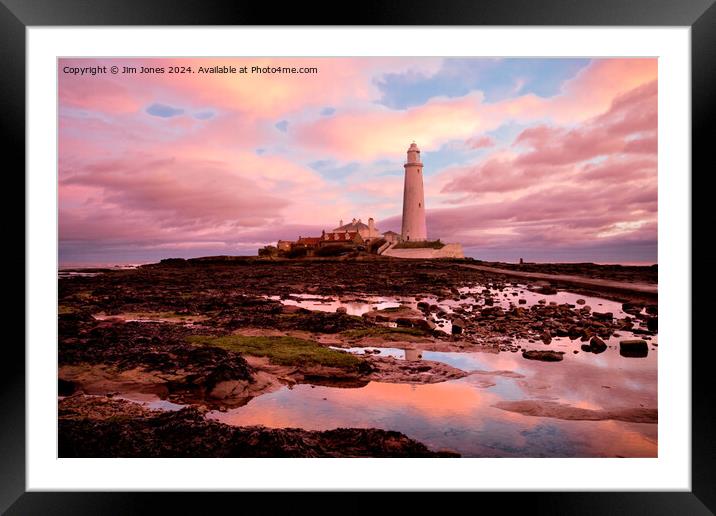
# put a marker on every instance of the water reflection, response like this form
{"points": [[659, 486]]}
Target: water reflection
{"points": [[460, 415]]}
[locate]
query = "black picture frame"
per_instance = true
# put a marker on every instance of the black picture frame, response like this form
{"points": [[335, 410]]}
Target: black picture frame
{"points": [[700, 15]]}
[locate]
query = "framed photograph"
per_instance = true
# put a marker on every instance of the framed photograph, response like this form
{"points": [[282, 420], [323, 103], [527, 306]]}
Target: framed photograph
{"points": [[417, 250]]}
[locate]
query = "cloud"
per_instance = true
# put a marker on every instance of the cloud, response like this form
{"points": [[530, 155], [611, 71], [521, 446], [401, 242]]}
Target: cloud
{"points": [[369, 132], [558, 154], [480, 142], [163, 111], [527, 159], [633, 114]]}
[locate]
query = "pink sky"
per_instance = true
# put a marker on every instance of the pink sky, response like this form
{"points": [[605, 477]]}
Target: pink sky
{"points": [[550, 160]]}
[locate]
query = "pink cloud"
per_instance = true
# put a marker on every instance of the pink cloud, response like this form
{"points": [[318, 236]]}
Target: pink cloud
{"points": [[629, 115], [555, 153], [584, 170], [375, 131], [480, 142], [590, 184]]}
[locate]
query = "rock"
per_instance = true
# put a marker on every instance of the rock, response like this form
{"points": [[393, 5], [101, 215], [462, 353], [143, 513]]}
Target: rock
{"points": [[341, 310], [522, 301], [424, 324], [458, 326], [546, 337], [603, 316], [586, 348], [634, 348], [495, 311], [66, 387], [404, 322], [546, 290], [580, 301], [597, 345], [652, 309], [632, 308], [543, 355], [293, 309], [652, 324]]}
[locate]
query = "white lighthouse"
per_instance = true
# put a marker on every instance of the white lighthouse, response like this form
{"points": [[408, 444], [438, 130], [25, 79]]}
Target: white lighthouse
{"points": [[414, 228]]}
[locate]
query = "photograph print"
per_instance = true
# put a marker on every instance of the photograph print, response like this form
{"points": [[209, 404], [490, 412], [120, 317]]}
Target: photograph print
{"points": [[357, 257]]}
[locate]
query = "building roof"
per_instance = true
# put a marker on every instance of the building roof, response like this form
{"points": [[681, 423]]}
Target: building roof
{"points": [[351, 226], [308, 240]]}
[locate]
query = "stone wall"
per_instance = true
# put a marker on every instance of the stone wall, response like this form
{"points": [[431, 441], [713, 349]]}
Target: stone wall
{"points": [[448, 251]]}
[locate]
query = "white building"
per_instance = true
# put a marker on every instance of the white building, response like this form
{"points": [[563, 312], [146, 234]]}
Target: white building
{"points": [[391, 236], [366, 231]]}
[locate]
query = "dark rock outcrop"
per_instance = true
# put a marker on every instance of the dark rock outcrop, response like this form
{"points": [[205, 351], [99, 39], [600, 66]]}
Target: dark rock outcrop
{"points": [[102, 427]]}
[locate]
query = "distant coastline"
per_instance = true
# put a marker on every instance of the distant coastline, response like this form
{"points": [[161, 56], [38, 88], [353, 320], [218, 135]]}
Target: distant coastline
{"points": [[125, 265]]}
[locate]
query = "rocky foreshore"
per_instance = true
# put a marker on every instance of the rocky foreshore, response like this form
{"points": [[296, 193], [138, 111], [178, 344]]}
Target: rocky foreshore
{"points": [[216, 333]]}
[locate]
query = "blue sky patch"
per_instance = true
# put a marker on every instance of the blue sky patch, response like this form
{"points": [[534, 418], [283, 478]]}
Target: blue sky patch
{"points": [[330, 170], [498, 79], [163, 111], [204, 115]]}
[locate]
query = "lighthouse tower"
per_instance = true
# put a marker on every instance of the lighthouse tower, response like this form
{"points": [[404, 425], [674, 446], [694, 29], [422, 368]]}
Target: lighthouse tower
{"points": [[414, 228]]}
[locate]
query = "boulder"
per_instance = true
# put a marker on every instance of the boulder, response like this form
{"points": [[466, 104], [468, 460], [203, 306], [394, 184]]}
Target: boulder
{"points": [[632, 308], [597, 345], [458, 326], [543, 355], [634, 348]]}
